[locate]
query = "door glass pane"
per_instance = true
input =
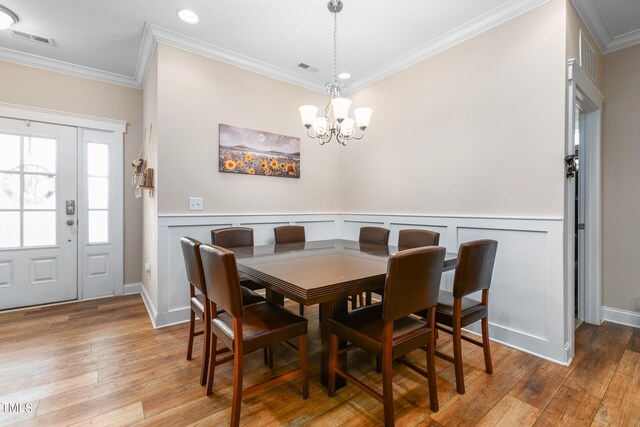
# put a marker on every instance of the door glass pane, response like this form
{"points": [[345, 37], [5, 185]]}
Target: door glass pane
{"points": [[98, 226], [9, 152], [9, 229], [39, 191], [98, 193], [97, 159], [9, 191], [40, 155], [40, 228]]}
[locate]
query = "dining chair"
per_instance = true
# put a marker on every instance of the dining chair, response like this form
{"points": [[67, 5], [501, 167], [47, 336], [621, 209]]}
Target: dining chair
{"points": [[374, 236], [473, 273], [290, 234], [198, 299], [247, 328], [388, 330], [415, 238], [236, 237]]}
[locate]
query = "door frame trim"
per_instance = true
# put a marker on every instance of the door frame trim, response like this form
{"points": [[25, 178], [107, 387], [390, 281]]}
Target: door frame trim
{"points": [[84, 122], [581, 89]]}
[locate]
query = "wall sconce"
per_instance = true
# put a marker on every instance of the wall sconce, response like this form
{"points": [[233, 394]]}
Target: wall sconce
{"points": [[142, 178]]}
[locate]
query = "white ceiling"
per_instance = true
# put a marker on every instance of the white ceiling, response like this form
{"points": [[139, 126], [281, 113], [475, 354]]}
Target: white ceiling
{"points": [[112, 40], [615, 24]]}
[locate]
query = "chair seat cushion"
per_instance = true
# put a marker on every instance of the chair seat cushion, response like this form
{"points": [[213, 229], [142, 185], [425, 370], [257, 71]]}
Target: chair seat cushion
{"points": [[197, 304], [249, 284], [472, 310], [363, 327], [263, 323], [249, 297]]}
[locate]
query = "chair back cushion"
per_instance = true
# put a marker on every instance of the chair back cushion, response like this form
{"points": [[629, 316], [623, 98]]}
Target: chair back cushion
{"points": [[417, 238], [232, 237], [193, 262], [289, 234], [413, 281], [376, 235], [221, 278], [474, 267]]}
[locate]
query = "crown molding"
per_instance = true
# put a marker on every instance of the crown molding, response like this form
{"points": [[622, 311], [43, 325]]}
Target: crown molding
{"points": [[466, 31], [67, 68], [592, 17], [162, 35]]}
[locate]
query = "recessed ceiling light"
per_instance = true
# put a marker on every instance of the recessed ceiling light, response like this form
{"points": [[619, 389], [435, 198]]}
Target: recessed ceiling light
{"points": [[344, 76], [188, 16], [7, 18]]}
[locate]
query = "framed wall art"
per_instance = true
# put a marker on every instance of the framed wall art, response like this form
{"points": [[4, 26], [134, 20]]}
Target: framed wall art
{"points": [[254, 152]]}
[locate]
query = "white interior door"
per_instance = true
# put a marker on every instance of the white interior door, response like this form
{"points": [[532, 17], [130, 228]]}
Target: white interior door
{"points": [[38, 196]]}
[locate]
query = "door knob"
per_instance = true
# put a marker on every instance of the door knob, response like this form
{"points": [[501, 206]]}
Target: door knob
{"points": [[70, 222]]}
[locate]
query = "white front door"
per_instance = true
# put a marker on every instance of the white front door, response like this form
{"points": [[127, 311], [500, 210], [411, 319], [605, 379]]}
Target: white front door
{"points": [[38, 219]]}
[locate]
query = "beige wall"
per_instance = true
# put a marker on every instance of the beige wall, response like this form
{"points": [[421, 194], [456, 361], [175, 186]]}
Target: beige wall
{"points": [[35, 87], [574, 25], [195, 94], [620, 188], [475, 130], [150, 154]]}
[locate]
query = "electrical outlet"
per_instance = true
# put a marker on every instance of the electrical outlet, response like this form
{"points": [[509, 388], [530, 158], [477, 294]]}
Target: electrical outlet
{"points": [[195, 203]]}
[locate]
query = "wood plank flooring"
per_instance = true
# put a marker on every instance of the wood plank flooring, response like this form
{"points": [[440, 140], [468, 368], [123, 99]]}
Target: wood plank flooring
{"points": [[101, 363]]}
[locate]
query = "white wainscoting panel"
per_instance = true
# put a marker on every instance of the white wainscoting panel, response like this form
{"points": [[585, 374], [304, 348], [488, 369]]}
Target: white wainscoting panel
{"points": [[527, 291]]}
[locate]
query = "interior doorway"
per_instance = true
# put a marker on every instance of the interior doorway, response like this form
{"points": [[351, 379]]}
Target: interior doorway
{"points": [[583, 204]]}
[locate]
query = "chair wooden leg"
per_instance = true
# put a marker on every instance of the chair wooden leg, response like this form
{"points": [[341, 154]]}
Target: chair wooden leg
{"points": [[457, 358], [354, 302], [486, 346], [378, 365], [212, 364], [360, 300], [237, 386], [368, 298], [333, 361], [206, 352], [301, 309], [265, 356], [431, 368], [387, 387], [304, 365], [192, 329], [270, 356]]}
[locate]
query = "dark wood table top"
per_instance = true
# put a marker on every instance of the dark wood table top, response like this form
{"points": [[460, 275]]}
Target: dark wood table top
{"points": [[320, 271]]}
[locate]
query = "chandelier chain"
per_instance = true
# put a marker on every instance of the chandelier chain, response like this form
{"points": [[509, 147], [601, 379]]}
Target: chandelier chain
{"points": [[335, 44]]}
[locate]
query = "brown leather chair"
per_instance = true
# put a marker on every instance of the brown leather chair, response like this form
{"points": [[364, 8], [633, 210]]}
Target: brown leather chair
{"points": [[236, 237], [387, 330], [374, 236], [195, 277], [289, 234], [244, 329], [473, 273], [415, 238]]}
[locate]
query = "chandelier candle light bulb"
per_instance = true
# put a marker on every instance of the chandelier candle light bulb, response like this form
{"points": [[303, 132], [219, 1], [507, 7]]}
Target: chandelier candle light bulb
{"points": [[340, 125]]}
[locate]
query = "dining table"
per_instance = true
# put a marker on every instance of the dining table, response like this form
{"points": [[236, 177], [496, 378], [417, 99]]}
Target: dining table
{"points": [[324, 272]]}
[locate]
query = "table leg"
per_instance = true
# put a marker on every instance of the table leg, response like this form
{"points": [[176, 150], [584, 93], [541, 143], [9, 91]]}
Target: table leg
{"points": [[328, 309], [274, 297]]}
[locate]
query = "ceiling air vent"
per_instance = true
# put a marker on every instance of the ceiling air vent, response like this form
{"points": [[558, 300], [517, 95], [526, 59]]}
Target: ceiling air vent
{"points": [[308, 67], [33, 37], [587, 56]]}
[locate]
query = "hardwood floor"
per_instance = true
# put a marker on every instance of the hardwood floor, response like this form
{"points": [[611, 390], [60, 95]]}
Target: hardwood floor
{"points": [[100, 363]]}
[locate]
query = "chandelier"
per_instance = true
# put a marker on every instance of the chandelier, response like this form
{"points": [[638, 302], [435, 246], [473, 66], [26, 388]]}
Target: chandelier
{"points": [[336, 121]]}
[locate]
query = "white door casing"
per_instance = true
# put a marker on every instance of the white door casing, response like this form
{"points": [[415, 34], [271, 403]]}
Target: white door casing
{"points": [[96, 267]]}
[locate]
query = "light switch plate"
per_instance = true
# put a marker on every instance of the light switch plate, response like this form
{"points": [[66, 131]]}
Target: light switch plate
{"points": [[195, 203]]}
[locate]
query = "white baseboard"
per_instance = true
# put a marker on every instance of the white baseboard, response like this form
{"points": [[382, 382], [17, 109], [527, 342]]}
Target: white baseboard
{"points": [[623, 317], [132, 288], [151, 309]]}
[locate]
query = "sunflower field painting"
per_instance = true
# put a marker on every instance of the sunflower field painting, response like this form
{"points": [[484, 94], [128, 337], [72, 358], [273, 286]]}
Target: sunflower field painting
{"points": [[253, 152]]}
